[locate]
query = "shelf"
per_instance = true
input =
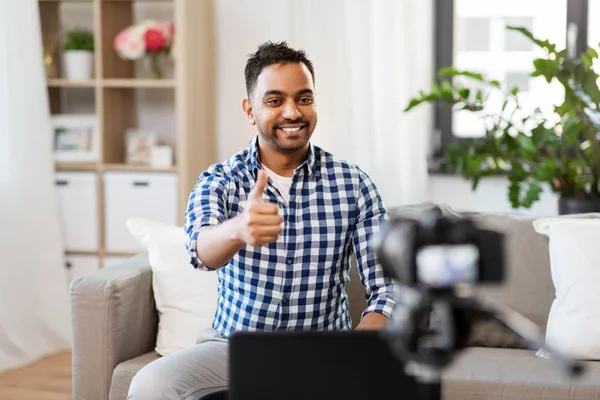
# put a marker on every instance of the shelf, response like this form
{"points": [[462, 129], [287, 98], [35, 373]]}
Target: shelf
{"points": [[76, 167], [137, 1], [81, 253], [119, 253], [139, 83], [115, 83], [137, 168], [59, 82]]}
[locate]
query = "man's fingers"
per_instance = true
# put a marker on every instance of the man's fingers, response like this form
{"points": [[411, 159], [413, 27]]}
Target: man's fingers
{"points": [[260, 231], [264, 208], [265, 220], [268, 230], [268, 239]]}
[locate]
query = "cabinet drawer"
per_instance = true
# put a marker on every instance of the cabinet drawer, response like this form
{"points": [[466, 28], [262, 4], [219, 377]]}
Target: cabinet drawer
{"points": [[136, 195], [77, 198]]}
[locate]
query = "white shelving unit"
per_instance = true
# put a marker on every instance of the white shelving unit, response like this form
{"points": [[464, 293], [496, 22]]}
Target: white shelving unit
{"points": [[89, 195]]}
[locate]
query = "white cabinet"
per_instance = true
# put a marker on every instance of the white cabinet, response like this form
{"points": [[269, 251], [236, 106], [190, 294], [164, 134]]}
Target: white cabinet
{"points": [[136, 195], [80, 265], [77, 198]]}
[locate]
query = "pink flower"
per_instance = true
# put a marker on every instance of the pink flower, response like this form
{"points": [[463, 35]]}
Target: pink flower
{"points": [[155, 40], [146, 36], [129, 44], [167, 29]]}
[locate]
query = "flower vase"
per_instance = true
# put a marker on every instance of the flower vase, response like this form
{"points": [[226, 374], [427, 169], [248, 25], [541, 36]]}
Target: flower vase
{"points": [[153, 69]]}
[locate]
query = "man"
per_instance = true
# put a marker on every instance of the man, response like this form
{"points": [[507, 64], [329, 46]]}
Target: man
{"points": [[279, 222]]}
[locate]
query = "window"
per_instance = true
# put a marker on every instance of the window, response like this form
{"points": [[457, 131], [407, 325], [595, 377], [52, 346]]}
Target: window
{"points": [[594, 29], [593, 26], [472, 35]]}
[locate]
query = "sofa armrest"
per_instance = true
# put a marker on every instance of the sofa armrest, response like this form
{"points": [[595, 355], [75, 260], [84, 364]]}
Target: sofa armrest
{"points": [[113, 319]]}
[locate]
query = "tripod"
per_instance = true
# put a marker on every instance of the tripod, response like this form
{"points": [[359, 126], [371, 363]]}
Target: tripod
{"points": [[432, 325]]}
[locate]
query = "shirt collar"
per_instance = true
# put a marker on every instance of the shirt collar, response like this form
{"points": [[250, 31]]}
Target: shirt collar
{"points": [[255, 163]]}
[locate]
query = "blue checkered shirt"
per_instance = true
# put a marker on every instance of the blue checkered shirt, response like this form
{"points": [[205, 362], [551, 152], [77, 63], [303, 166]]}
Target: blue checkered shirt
{"points": [[298, 282]]}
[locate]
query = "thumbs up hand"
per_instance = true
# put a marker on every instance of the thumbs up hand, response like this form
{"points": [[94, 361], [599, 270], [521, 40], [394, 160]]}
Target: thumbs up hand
{"points": [[260, 222]]}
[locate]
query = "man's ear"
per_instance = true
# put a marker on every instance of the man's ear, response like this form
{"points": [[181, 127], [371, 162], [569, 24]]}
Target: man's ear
{"points": [[247, 107]]}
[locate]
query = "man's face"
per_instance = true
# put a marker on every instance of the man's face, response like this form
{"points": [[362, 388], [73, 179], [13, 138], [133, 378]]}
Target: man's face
{"points": [[283, 107]]}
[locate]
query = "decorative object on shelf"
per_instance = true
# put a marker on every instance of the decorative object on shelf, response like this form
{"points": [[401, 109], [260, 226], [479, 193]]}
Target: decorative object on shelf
{"points": [[76, 138], [138, 145], [161, 156], [50, 47], [149, 39], [561, 151], [78, 57]]}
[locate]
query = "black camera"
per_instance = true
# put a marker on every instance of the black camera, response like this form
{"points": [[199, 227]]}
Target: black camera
{"points": [[438, 251], [433, 258]]}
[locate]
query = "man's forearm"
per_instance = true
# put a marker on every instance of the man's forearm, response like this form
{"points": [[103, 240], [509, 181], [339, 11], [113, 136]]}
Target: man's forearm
{"points": [[216, 245], [373, 321]]}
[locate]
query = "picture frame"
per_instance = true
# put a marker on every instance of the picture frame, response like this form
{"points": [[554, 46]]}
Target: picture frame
{"points": [[75, 138], [138, 145]]}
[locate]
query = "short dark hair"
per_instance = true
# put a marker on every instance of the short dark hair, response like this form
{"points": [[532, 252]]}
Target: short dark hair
{"points": [[270, 53]]}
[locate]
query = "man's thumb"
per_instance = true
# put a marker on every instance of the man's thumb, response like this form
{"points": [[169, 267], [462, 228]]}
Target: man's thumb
{"points": [[261, 184]]}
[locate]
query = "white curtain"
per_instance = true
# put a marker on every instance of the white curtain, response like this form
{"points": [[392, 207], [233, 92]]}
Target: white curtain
{"points": [[370, 57], [34, 317]]}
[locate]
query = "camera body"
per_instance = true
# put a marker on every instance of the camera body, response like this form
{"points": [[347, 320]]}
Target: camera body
{"points": [[438, 252], [432, 258]]}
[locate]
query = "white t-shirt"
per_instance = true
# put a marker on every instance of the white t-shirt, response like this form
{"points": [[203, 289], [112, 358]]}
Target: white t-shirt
{"points": [[282, 184]]}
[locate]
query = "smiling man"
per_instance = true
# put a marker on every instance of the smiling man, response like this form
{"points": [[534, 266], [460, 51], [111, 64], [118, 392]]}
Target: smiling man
{"points": [[279, 223]]}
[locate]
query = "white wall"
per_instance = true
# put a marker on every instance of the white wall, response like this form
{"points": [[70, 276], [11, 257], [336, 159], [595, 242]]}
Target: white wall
{"points": [[232, 124], [234, 132], [490, 196]]}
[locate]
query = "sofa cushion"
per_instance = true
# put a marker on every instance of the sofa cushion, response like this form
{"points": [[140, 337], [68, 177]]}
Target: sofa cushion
{"points": [[414, 211], [186, 299], [494, 374], [574, 321], [124, 373], [528, 286]]}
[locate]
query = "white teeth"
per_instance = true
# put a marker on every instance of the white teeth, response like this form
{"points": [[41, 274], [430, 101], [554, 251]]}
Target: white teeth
{"points": [[295, 129]]}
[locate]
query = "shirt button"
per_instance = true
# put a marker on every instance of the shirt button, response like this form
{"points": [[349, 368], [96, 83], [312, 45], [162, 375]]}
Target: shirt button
{"points": [[289, 261], [284, 300]]}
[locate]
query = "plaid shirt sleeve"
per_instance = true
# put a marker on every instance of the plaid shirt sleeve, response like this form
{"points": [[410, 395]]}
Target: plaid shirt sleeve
{"points": [[372, 214], [207, 205]]}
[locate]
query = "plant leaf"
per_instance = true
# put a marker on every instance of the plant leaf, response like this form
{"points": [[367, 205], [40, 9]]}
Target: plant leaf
{"points": [[587, 60], [572, 129], [412, 104], [532, 194], [514, 193], [547, 68], [544, 44], [450, 71], [526, 144]]}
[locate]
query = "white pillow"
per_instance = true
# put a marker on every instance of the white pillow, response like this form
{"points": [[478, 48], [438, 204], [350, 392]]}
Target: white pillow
{"points": [[574, 321], [186, 299]]}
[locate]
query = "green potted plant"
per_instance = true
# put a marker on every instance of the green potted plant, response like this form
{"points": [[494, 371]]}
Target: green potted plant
{"points": [[78, 56], [531, 149]]}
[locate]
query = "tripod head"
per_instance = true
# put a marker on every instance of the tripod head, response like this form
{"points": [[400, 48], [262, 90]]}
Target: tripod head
{"points": [[435, 262]]}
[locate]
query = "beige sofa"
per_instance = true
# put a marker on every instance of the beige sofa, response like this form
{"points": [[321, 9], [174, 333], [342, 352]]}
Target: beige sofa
{"points": [[115, 323]]}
